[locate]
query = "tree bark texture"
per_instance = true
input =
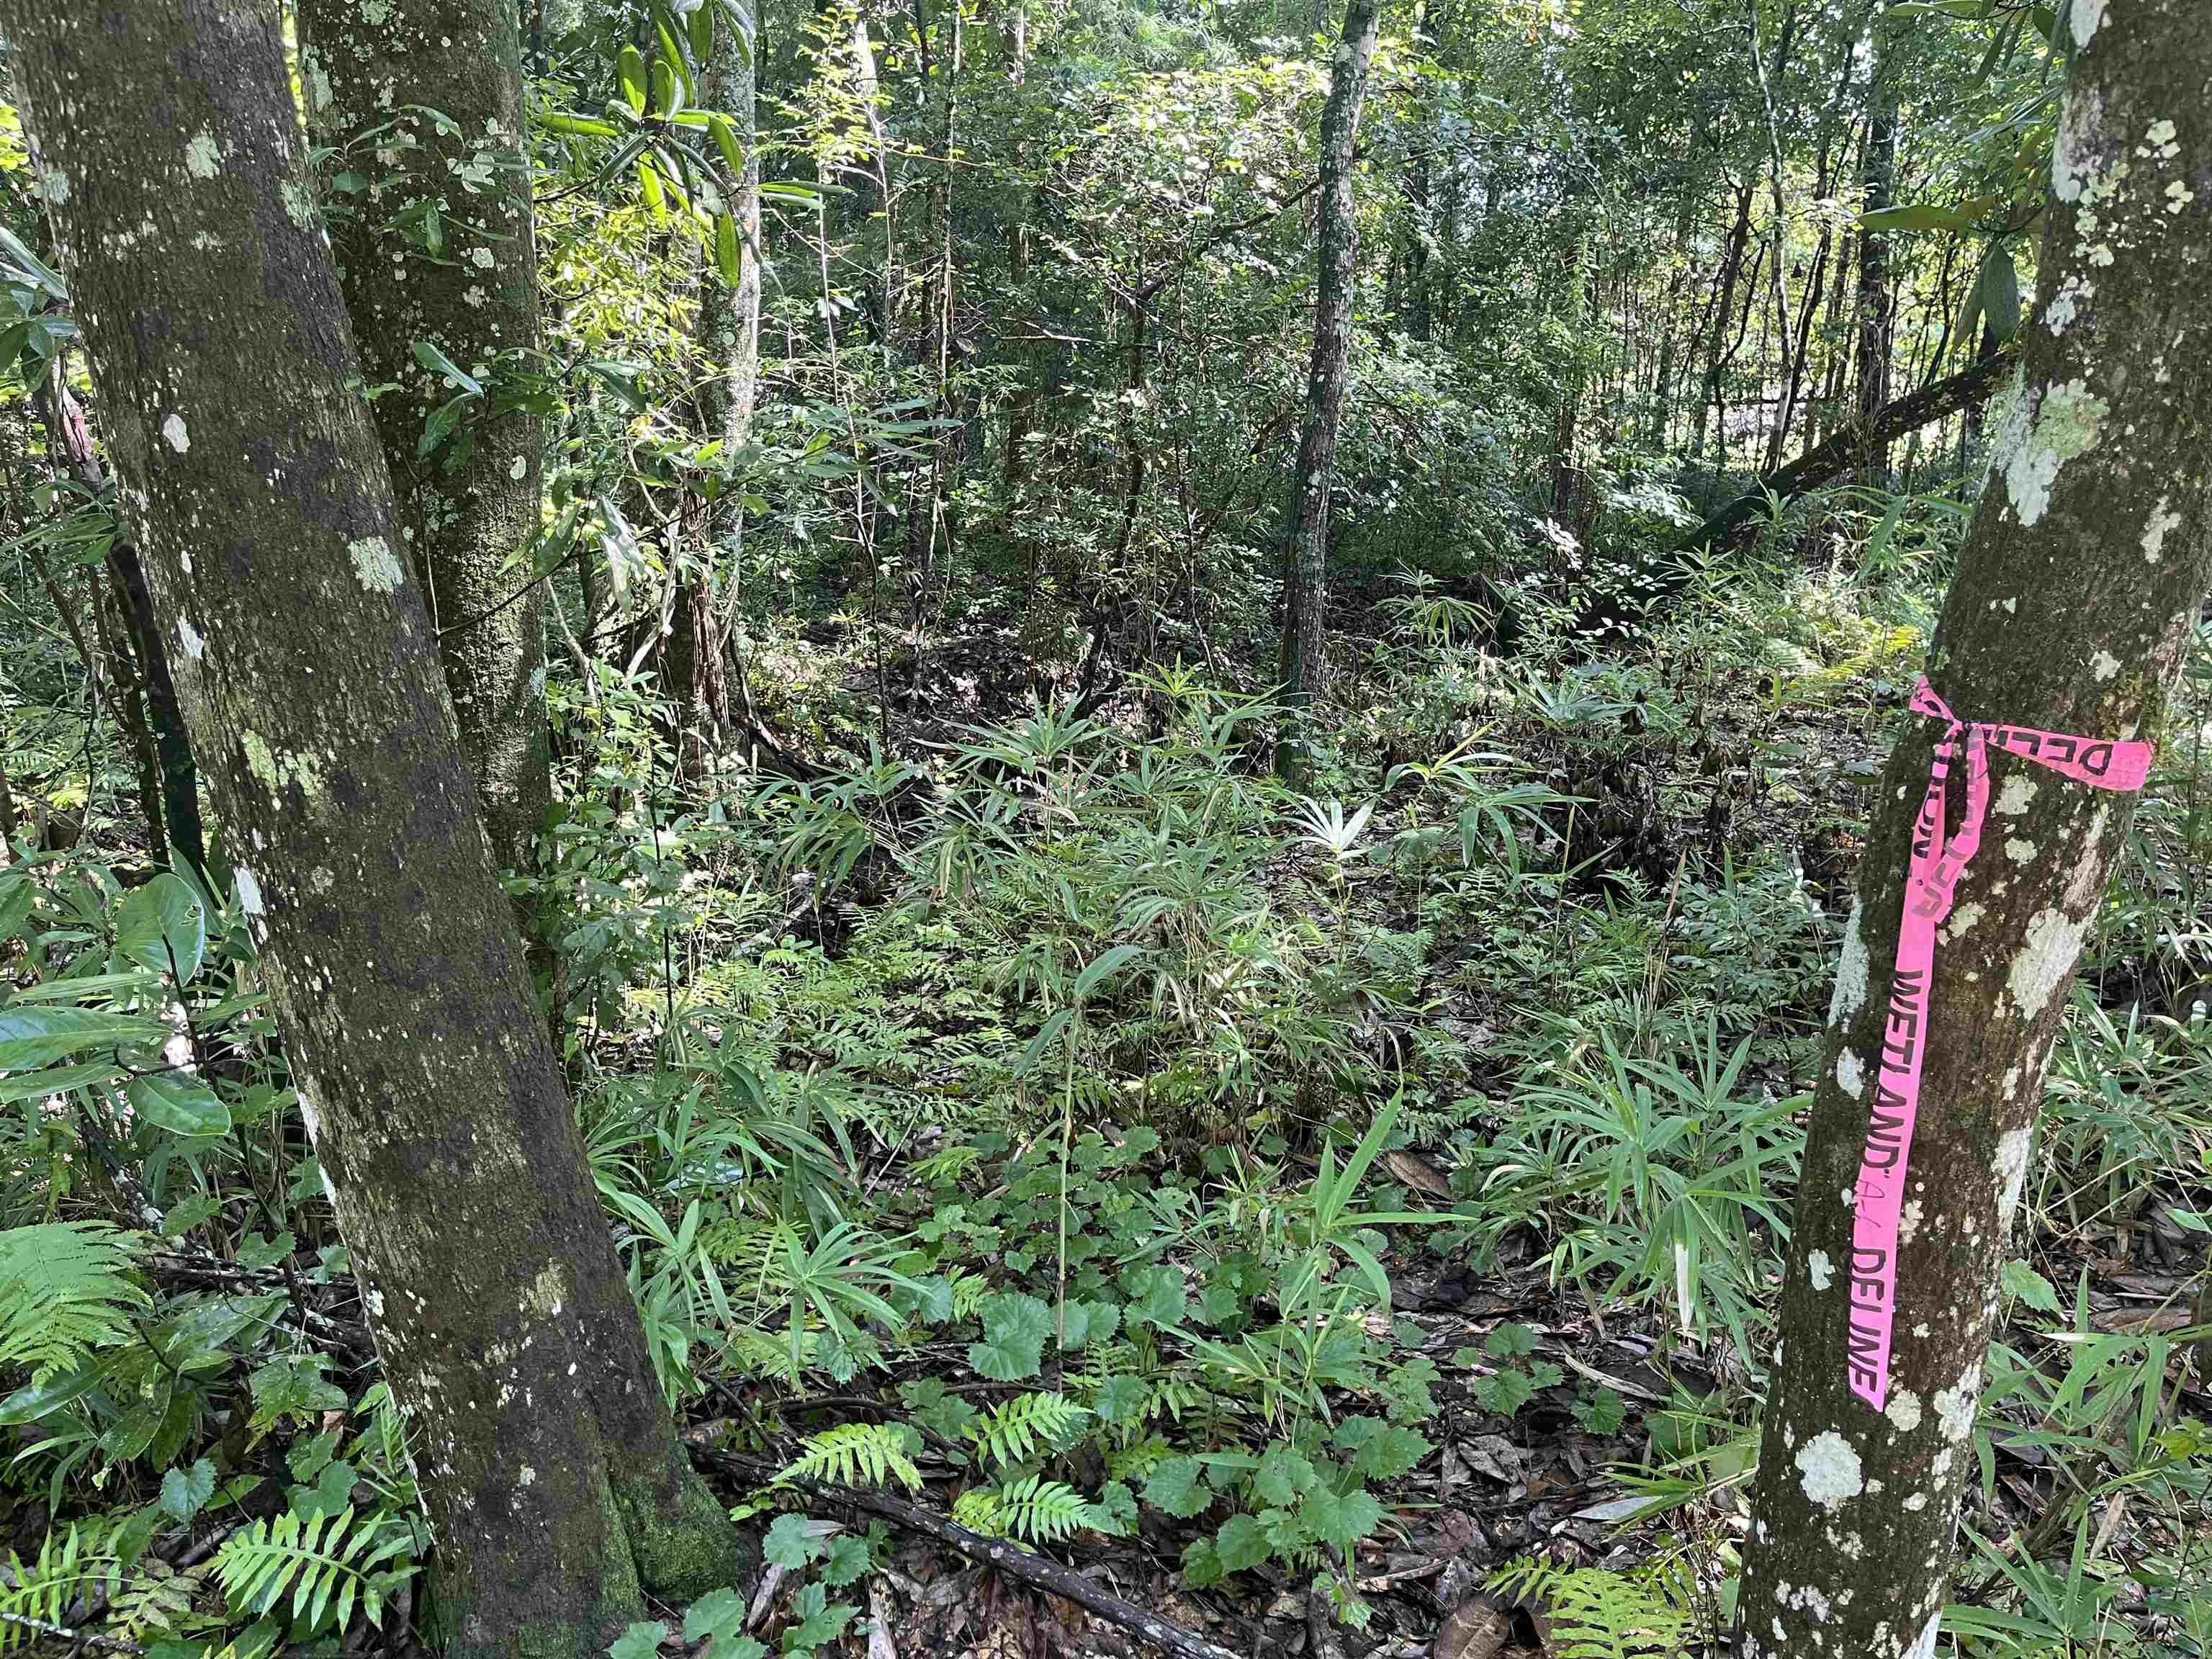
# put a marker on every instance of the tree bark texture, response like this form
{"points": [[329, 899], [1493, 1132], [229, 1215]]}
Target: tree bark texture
{"points": [[1301, 664], [2076, 595], [167, 146], [372, 76]]}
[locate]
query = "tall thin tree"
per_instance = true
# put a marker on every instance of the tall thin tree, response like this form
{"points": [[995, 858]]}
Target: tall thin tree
{"points": [[166, 142], [422, 98], [1875, 302], [2077, 596], [1301, 666]]}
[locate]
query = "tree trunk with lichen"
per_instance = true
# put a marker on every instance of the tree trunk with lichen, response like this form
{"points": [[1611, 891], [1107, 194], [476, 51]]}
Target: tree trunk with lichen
{"points": [[2075, 599], [1300, 666], [308, 673], [373, 78]]}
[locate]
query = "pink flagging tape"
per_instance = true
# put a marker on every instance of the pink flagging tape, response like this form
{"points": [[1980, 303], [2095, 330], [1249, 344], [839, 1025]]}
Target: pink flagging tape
{"points": [[1930, 882]]}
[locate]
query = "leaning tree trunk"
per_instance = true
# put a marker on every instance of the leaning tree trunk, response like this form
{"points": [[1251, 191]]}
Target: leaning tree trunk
{"points": [[1300, 665], [373, 76], [166, 143], [2075, 599]]}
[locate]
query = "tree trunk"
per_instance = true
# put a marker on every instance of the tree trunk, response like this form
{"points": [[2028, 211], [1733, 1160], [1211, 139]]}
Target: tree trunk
{"points": [[929, 516], [1777, 273], [172, 806], [469, 505], [1301, 664], [1717, 358], [550, 1470], [1817, 466], [2075, 599], [695, 673], [1877, 184]]}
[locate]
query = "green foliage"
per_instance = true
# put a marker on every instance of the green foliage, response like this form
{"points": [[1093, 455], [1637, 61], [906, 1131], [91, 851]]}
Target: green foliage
{"points": [[856, 1455], [65, 1290], [314, 1570], [72, 1561], [1597, 1614], [1034, 1511], [1013, 1430]]}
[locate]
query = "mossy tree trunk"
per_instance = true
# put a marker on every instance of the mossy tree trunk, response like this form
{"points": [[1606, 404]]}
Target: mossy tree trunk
{"points": [[2075, 599], [308, 672], [372, 76], [1300, 667]]}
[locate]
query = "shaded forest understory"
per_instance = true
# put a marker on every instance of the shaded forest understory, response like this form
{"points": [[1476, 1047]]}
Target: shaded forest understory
{"points": [[1181, 707]]}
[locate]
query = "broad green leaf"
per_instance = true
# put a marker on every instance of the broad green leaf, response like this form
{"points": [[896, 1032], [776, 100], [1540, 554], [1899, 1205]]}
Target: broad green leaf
{"points": [[1158, 1295], [726, 142], [1015, 1329], [1510, 1341], [629, 70], [1177, 1487], [1917, 216], [428, 354], [1507, 1392], [729, 255], [2024, 1283], [39, 1035], [1100, 968], [178, 1102], [1120, 1399], [1241, 1544], [186, 1491], [1339, 1520], [1283, 1473], [717, 1610], [163, 926]]}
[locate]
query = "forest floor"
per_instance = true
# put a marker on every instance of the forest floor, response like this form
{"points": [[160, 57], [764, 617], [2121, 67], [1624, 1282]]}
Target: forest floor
{"points": [[1588, 1405], [1339, 1220]]}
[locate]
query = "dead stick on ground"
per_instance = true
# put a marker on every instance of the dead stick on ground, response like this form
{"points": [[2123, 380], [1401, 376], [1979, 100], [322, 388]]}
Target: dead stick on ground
{"points": [[1034, 1570]]}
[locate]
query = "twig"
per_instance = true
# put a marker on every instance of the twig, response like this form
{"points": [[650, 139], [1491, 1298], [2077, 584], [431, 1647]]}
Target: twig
{"points": [[88, 1637], [1035, 1571]]}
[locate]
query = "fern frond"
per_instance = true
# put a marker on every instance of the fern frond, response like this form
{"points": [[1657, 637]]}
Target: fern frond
{"points": [[69, 1565], [1034, 1510], [63, 1293], [1010, 1431], [968, 1289], [1599, 1614], [742, 1241], [856, 1455], [327, 1562]]}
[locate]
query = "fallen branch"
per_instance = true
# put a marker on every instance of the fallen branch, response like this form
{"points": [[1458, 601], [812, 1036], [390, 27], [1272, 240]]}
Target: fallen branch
{"points": [[1817, 464], [71, 1634], [1035, 1571]]}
